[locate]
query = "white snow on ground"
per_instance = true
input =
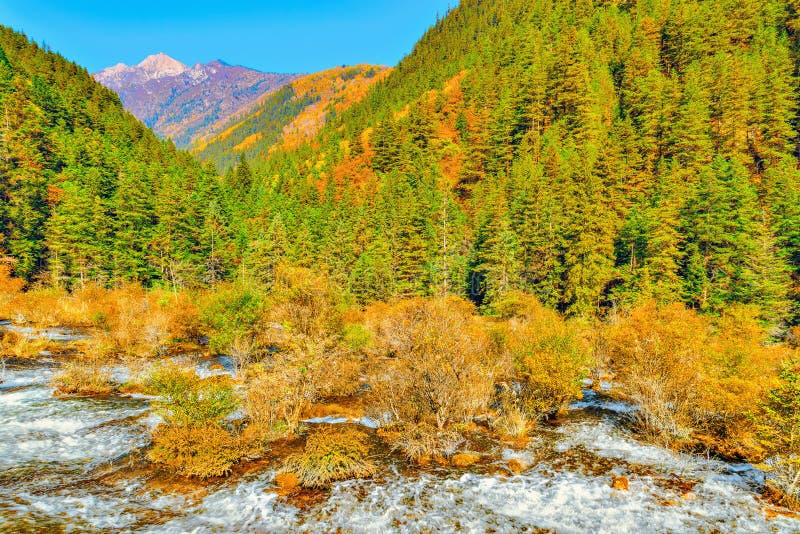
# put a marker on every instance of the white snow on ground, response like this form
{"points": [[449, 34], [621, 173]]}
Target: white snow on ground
{"points": [[340, 420]]}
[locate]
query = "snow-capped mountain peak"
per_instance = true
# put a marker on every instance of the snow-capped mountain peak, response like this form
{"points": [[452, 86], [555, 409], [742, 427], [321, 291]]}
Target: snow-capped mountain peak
{"points": [[161, 65], [182, 102]]}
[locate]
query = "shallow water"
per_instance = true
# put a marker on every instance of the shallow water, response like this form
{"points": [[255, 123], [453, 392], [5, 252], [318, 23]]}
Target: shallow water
{"points": [[63, 335], [64, 466]]}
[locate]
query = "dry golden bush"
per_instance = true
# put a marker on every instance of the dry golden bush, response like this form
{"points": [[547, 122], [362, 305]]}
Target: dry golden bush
{"points": [[306, 302], [86, 376], [38, 307], [435, 362], [312, 354], [242, 350], [549, 358], [134, 320], [659, 354], [9, 288], [332, 453], [742, 365], [200, 450], [183, 314], [18, 345], [283, 386], [694, 377], [421, 442]]}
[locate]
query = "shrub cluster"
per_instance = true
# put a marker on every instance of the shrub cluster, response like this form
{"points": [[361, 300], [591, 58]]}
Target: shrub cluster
{"points": [[331, 454], [693, 377], [778, 424], [129, 319], [422, 442], [435, 364], [194, 439], [548, 361], [86, 376], [424, 367]]}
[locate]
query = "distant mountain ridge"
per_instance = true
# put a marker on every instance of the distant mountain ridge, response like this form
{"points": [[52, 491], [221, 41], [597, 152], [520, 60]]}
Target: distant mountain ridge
{"points": [[182, 102], [290, 116]]}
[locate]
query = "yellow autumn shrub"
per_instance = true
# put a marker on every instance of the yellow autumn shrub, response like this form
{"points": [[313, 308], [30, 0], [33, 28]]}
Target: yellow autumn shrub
{"points": [[434, 361], [694, 377], [548, 359], [332, 453]]}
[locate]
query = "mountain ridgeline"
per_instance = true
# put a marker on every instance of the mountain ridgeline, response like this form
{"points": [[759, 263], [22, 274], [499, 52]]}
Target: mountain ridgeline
{"points": [[188, 103], [592, 153], [87, 193]]}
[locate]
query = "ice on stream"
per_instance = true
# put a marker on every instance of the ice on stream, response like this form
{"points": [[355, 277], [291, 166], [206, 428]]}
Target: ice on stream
{"points": [[63, 335], [367, 422]]}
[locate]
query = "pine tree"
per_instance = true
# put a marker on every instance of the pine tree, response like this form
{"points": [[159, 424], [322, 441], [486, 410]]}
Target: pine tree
{"points": [[26, 146], [386, 144], [495, 268], [135, 219], [728, 236]]}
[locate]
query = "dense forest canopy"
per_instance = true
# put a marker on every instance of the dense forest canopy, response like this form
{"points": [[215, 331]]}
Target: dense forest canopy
{"points": [[87, 193], [592, 153]]}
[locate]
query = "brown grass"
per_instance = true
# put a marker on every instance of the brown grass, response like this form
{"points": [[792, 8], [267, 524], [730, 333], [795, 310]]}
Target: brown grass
{"points": [[87, 376], [512, 424]]}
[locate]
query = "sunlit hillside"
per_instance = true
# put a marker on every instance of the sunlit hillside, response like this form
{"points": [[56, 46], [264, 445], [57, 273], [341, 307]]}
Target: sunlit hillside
{"points": [[290, 116]]}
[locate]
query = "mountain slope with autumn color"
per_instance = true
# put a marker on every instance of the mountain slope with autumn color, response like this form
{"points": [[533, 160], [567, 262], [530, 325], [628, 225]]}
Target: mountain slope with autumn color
{"points": [[593, 154], [289, 116]]}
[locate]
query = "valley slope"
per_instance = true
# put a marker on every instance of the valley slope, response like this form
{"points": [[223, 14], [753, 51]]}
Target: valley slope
{"points": [[592, 154], [289, 116], [87, 192]]}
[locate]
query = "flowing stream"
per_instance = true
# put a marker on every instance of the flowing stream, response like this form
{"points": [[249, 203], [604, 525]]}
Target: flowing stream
{"points": [[70, 465]]}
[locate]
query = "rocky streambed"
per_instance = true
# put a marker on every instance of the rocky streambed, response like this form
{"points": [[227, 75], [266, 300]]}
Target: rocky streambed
{"points": [[75, 465]]}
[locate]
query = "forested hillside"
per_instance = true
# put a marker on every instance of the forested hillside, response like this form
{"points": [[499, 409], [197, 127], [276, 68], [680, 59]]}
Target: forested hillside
{"points": [[290, 115], [87, 193], [591, 153]]}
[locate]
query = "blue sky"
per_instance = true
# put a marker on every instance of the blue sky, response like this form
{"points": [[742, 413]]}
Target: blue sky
{"points": [[287, 36]]}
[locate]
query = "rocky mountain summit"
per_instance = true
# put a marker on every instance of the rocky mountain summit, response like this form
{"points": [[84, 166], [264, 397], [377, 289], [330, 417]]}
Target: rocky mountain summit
{"points": [[182, 102]]}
